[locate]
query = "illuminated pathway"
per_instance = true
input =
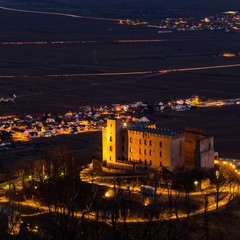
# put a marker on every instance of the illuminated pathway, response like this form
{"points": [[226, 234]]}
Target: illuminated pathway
{"points": [[44, 209], [154, 72]]}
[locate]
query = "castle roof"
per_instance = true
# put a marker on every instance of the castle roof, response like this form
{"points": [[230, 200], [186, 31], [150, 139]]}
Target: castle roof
{"points": [[166, 132]]}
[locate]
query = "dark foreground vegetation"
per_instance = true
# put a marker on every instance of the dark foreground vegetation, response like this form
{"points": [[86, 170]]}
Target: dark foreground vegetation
{"points": [[59, 206]]}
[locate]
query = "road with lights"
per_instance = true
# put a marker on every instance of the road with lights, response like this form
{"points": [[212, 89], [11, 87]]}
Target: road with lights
{"points": [[152, 72], [59, 14]]}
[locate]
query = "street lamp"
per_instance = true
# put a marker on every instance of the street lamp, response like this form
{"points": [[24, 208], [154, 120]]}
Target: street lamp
{"points": [[196, 184]]}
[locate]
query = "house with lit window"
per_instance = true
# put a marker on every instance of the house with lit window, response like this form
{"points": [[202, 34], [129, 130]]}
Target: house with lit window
{"points": [[147, 147]]}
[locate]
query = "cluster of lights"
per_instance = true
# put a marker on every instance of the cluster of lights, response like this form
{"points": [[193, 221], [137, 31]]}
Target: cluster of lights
{"points": [[230, 164]]}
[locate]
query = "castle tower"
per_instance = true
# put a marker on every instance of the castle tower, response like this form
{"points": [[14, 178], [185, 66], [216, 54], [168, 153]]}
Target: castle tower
{"points": [[111, 141]]}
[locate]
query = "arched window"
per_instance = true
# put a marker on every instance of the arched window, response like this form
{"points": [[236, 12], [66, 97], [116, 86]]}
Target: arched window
{"points": [[160, 144], [140, 141], [130, 139], [145, 142], [110, 148], [150, 142], [160, 153], [140, 151], [130, 149], [150, 152], [145, 151], [110, 138]]}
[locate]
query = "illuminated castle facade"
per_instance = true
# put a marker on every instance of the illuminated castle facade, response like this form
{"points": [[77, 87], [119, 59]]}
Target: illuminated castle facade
{"points": [[138, 147]]}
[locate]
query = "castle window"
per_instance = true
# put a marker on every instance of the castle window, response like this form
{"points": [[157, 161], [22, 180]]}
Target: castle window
{"points": [[145, 161], [110, 148], [150, 152], [140, 141], [110, 158], [130, 158], [110, 139], [130, 139], [140, 151], [160, 153], [130, 149], [145, 151], [150, 142], [160, 144], [145, 142]]}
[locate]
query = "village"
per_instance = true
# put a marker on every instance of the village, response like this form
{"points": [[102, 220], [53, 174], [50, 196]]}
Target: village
{"points": [[226, 21], [91, 118]]}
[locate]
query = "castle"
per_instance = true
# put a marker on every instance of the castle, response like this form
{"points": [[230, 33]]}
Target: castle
{"points": [[146, 147]]}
